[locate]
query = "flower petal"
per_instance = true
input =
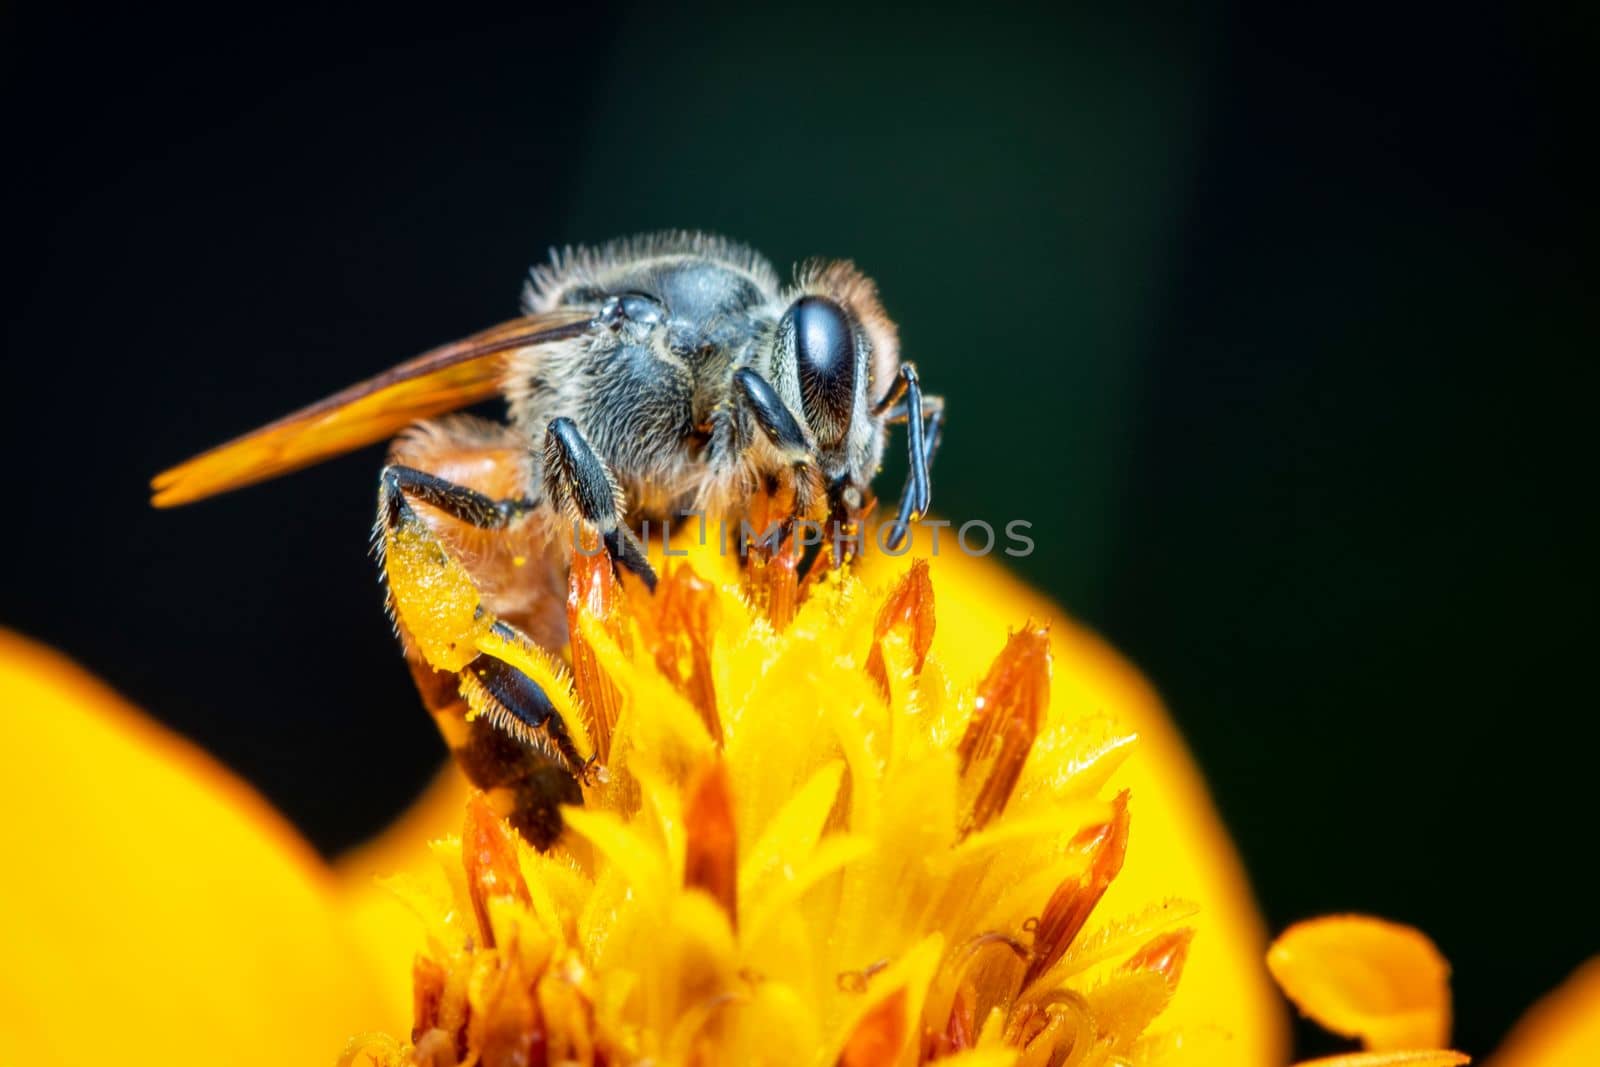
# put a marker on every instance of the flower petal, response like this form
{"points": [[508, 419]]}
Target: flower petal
{"points": [[388, 932], [1563, 1028], [1362, 977], [1178, 847], [1429, 1058], [156, 909]]}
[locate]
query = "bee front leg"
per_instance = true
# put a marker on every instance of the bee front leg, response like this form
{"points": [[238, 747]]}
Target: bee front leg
{"points": [[776, 562], [761, 404]]}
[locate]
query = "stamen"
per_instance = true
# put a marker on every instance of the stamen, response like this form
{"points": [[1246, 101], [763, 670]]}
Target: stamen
{"points": [[1059, 1025], [978, 974], [907, 613], [1006, 716], [1074, 899], [593, 592], [680, 632], [436, 1048], [961, 1031], [879, 1036], [774, 581], [1165, 955], [490, 856], [428, 981], [711, 859], [511, 1032], [772, 564]]}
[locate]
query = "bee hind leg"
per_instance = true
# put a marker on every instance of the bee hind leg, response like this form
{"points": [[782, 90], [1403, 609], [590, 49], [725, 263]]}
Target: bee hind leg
{"points": [[458, 501], [499, 701]]}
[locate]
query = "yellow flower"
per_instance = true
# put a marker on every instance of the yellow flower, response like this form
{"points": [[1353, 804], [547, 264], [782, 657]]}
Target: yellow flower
{"points": [[815, 845], [808, 848]]}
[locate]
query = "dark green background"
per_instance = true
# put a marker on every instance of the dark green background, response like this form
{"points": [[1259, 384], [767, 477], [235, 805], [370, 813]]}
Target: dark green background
{"points": [[1275, 326]]}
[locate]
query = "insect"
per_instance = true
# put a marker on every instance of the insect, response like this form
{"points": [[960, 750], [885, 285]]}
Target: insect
{"points": [[646, 378]]}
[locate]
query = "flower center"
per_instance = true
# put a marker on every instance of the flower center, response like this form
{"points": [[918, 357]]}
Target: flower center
{"points": [[803, 842]]}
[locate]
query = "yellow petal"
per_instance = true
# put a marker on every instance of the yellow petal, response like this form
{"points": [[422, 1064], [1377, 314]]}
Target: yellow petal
{"points": [[1430, 1058], [1178, 846], [155, 909], [876, 1031], [990, 1057], [1561, 1029], [796, 827], [388, 932], [1362, 977]]}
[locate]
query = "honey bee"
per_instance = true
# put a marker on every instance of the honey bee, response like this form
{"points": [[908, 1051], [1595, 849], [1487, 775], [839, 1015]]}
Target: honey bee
{"points": [[646, 378]]}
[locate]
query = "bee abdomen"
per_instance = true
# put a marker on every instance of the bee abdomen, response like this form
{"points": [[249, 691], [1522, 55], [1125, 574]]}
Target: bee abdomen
{"points": [[496, 762]]}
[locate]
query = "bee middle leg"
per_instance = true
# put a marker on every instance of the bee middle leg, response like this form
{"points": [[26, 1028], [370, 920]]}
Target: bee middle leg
{"points": [[580, 487]]}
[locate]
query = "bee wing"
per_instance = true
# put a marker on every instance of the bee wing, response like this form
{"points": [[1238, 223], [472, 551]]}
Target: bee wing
{"points": [[444, 379]]}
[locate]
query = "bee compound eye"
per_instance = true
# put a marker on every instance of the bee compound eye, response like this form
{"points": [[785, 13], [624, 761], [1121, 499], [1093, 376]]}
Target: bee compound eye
{"points": [[825, 355]]}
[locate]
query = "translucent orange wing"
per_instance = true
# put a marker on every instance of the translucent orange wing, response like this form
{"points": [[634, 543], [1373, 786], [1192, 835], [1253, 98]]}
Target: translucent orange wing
{"points": [[441, 380]]}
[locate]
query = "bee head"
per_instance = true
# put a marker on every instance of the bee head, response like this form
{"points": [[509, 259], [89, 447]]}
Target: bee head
{"points": [[839, 349], [837, 352], [821, 339]]}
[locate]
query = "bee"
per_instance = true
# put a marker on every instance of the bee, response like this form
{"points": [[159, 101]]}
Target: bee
{"points": [[646, 378]]}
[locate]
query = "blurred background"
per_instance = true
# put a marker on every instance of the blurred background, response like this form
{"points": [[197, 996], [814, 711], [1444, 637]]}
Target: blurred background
{"points": [[1274, 324]]}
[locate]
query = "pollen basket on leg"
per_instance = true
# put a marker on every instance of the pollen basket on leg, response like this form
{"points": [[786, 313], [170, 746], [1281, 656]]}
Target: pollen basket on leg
{"points": [[431, 591]]}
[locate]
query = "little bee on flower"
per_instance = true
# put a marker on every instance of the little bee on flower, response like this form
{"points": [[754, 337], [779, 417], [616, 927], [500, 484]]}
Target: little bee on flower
{"points": [[646, 379]]}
